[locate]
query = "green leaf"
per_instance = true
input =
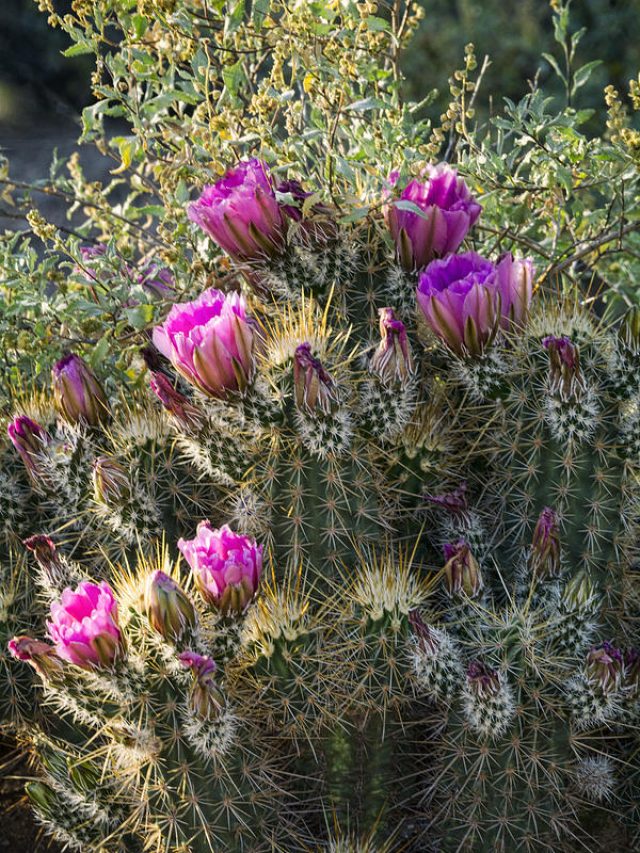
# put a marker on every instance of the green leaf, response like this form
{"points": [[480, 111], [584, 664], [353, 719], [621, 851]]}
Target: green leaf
{"points": [[583, 74], [78, 49], [367, 104], [261, 9]]}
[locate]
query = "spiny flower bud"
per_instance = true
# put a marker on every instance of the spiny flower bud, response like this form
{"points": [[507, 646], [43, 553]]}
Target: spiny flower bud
{"points": [[30, 440], [110, 481], [564, 366], [482, 679], [427, 639], [578, 593], [176, 403], [40, 655], [605, 666], [392, 360], [47, 557], [168, 608], [314, 388], [462, 572], [454, 501], [544, 557], [629, 331], [78, 396], [206, 698]]}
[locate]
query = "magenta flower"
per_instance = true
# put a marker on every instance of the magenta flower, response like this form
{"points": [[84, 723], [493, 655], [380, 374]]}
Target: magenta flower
{"points": [[466, 298], [210, 342], [240, 212], [226, 566], [448, 212], [30, 440], [84, 625], [78, 395]]}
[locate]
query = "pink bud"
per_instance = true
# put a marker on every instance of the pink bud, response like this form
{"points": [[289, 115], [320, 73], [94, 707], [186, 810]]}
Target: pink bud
{"points": [[313, 386], [78, 395], [392, 360]]}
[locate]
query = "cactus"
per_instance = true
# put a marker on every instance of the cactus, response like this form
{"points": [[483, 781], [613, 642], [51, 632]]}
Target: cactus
{"points": [[339, 451]]}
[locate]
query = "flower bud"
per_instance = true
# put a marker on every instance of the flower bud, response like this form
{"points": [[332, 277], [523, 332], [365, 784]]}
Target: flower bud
{"points": [[31, 441], [392, 360], [78, 396], [176, 403], [454, 501], [314, 389], [169, 609], [544, 557], [316, 222], [427, 639], [629, 331], [461, 570], [564, 367], [483, 680], [206, 698], [40, 655], [47, 557], [579, 593], [110, 481], [605, 666], [226, 566]]}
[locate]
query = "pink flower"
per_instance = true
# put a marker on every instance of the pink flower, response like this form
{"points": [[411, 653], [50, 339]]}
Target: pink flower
{"points": [[240, 212], [465, 298], [84, 625], [226, 566], [448, 211], [210, 342]]}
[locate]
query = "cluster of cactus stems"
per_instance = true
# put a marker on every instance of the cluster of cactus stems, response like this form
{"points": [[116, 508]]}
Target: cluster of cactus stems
{"points": [[360, 574]]}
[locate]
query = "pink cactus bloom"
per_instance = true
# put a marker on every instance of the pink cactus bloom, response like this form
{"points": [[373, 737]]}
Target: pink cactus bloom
{"points": [[448, 213], [465, 298], [226, 566], [84, 625], [210, 341], [240, 212]]}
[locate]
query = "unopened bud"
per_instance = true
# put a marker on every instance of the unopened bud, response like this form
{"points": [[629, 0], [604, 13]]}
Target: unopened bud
{"points": [[629, 331], [168, 608], [454, 501], [392, 360], [483, 680], [40, 655], [78, 396], [564, 367], [176, 403], [544, 557], [605, 666], [31, 441], [462, 572], [206, 698], [427, 639], [110, 481], [44, 550], [313, 386]]}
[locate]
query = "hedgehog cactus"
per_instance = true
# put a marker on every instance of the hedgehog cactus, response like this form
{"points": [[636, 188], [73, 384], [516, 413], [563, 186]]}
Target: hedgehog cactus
{"points": [[413, 603]]}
